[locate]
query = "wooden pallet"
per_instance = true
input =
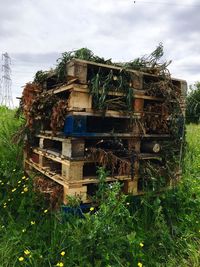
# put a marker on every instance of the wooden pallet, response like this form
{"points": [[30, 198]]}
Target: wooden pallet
{"points": [[78, 97], [82, 189], [77, 148], [80, 69]]}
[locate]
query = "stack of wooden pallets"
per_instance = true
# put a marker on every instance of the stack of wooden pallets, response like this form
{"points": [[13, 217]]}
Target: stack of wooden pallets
{"points": [[91, 137]]}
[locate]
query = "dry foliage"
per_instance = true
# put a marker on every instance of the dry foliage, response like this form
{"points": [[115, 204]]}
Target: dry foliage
{"points": [[51, 190], [112, 162], [29, 94], [58, 116]]}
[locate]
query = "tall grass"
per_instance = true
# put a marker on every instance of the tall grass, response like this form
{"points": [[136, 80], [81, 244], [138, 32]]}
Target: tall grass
{"points": [[154, 230]]}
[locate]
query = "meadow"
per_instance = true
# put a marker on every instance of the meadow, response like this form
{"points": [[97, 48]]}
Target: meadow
{"points": [[152, 230]]}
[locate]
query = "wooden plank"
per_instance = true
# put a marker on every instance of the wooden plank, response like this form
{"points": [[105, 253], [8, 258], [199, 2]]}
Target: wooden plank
{"points": [[79, 192], [73, 171], [55, 177], [57, 158], [108, 113], [62, 138], [79, 100], [77, 69], [120, 68], [73, 148], [145, 156], [131, 187], [84, 89], [147, 97], [87, 180]]}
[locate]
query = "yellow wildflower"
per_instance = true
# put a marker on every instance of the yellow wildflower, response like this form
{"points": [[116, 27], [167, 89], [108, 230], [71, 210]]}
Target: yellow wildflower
{"points": [[62, 253], [32, 222], [2, 183], [24, 177], [141, 245], [21, 258], [45, 211], [92, 208], [26, 189], [22, 192], [27, 252], [14, 189], [4, 206], [60, 264], [23, 230], [139, 264], [19, 182]]}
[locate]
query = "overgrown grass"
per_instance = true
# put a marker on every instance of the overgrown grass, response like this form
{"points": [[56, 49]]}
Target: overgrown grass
{"points": [[154, 230]]}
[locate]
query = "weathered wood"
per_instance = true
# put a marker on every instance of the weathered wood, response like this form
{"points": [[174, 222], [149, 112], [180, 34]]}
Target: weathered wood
{"points": [[77, 69], [79, 100], [79, 192], [73, 148]]}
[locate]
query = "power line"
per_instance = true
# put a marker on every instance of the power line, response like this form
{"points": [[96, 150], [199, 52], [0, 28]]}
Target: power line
{"points": [[165, 3]]}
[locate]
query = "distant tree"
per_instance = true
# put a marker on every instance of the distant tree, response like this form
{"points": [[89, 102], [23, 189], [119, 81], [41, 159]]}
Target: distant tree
{"points": [[193, 104]]}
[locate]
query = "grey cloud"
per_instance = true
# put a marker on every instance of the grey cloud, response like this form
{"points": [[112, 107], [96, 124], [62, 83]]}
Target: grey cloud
{"points": [[36, 58]]}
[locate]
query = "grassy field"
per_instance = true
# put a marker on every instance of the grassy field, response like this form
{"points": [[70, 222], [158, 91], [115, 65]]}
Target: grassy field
{"points": [[146, 231]]}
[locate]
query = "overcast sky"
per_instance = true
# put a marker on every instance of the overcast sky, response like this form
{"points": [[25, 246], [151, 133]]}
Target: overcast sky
{"points": [[36, 32]]}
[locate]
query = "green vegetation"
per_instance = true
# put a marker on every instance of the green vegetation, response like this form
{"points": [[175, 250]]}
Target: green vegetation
{"points": [[152, 230], [193, 104]]}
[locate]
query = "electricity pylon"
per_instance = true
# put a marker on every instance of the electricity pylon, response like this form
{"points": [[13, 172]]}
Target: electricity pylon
{"points": [[6, 82]]}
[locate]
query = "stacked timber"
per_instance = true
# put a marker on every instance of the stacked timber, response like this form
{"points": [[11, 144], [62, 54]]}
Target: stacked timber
{"points": [[135, 129]]}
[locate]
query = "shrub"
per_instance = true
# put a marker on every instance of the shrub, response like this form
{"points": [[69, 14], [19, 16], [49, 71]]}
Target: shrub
{"points": [[193, 104]]}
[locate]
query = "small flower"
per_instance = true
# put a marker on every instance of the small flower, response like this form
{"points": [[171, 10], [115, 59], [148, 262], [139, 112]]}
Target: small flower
{"points": [[141, 244], [22, 192], [92, 208], [60, 264], [2, 183], [27, 179], [45, 211], [23, 230], [9, 200], [127, 203], [62, 253], [21, 258], [139, 264], [4, 206], [24, 177], [14, 189], [19, 182], [14, 170], [2, 226], [27, 252], [32, 222], [26, 189]]}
